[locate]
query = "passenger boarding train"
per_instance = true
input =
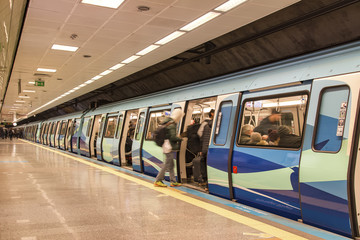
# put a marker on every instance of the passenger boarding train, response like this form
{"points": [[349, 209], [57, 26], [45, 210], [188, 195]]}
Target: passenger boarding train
{"points": [[316, 181]]}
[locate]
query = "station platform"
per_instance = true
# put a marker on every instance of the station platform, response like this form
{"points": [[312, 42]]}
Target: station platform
{"points": [[47, 193]]}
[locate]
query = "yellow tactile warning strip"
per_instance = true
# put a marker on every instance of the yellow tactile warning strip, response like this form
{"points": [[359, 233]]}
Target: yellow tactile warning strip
{"points": [[176, 193]]}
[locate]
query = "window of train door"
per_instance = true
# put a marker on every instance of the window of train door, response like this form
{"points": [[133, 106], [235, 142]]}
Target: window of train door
{"points": [[222, 123]]}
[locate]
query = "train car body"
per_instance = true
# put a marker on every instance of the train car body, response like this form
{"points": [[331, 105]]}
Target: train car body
{"points": [[310, 173]]}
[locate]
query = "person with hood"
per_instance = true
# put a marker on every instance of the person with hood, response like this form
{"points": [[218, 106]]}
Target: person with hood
{"points": [[270, 122], [287, 139], [171, 144]]}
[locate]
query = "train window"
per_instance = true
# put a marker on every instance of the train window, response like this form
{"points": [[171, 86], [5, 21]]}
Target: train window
{"points": [[111, 126], [330, 121], [273, 122], [222, 122], [88, 125], [139, 126], [119, 126], [155, 119]]}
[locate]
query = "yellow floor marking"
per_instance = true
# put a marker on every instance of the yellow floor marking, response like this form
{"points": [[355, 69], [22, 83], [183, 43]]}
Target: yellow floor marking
{"points": [[263, 227]]}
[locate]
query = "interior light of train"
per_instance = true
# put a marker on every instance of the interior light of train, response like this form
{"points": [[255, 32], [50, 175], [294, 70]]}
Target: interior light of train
{"points": [[158, 114], [200, 21], [130, 59], [147, 50], [288, 103], [170, 37], [29, 91], [196, 112], [105, 72], [117, 66], [104, 3], [46, 70], [229, 5], [206, 110], [64, 48]]}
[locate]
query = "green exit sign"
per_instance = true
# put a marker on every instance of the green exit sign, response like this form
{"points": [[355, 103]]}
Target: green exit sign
{"points": [[40, 83]]}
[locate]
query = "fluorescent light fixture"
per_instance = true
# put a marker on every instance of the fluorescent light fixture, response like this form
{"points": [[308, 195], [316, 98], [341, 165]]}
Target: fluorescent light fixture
{"points": [[169, 37], [117, 66], [70, 91], [24, 97], [89, 81], [28, 90], [82, 85], [76, 88], [19, 101], [147, 50], [97, 77], [46, 70], [15, 104], [229, 5], [32, 82], [200, 21], [64, 48], [104, 3], [287, 103], [67, 93], [130, 59], [105, 72]]}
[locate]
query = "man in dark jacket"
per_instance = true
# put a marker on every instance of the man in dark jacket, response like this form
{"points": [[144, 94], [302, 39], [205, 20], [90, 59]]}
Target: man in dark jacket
{"points": [[171, 143], [270, 122], [287, 139]]}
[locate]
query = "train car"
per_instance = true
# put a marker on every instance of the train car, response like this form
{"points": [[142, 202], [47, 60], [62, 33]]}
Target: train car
{"points": [[284, 137]]}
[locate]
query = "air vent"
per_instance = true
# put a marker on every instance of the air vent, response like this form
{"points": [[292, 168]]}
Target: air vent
{"points": [[41, 75]]}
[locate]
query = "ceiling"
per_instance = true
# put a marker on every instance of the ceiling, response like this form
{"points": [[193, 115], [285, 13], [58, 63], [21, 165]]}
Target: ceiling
{"points": [[250, 35], [106, 37]]}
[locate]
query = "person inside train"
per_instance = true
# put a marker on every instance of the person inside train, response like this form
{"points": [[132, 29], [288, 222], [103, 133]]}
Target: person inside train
{"points": [[274, 138], [193, 145], [129, 141], [171, 144], [287, 139], [256, 139], [246, 131], [270, 122], [204, 132]]}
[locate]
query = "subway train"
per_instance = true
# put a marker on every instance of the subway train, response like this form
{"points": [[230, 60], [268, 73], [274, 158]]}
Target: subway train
{"points": [[309, 172]]}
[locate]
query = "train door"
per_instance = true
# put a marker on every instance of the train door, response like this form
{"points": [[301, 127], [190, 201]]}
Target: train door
{"points": [[84, 139], [62, 133], [75, 135], [324, 167], [108, 147], [127, 137], [151, 154], [221, 145], [94, 135], [138, 141], [116, 142], [48, 133], [38, 133], [265, 168], [100, 137], [69, 133], [43, 135], [56, 135]]}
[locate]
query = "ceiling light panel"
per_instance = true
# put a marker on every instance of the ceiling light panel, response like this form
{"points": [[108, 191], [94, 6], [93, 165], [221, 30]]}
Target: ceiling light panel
{"points": [[64, 48], [130, 59], [200, 21], [229, 5], [117, 66], [170, 37], [104, 3], [45, 70], [105, 72], [147, 50], [32, 91]]}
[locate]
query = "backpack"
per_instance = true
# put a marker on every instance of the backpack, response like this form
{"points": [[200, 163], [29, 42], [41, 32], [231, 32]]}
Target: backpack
{"points": [[160, 134]]}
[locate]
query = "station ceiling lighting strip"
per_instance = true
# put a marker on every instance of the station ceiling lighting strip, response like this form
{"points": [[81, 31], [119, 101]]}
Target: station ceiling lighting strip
{"points": [[227, 6]]}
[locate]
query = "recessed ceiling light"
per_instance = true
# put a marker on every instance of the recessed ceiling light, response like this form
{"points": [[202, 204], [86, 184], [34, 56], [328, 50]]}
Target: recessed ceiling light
{"points": [[31, 82], [147, 50], [117, 66], [24, 97], [104, 3], [105, 72], [229, 5], [76, 88], [46, 70], [82, 85], [29, 91], [130, 59], [89, 81], [64, 48], [169, 37], [15, 104], [19, 101], [97, 77], [200, 21]]}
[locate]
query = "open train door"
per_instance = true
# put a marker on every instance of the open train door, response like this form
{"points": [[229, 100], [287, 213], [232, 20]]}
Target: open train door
{"points": [[221, 145], [99, 138], [138, 141]]}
